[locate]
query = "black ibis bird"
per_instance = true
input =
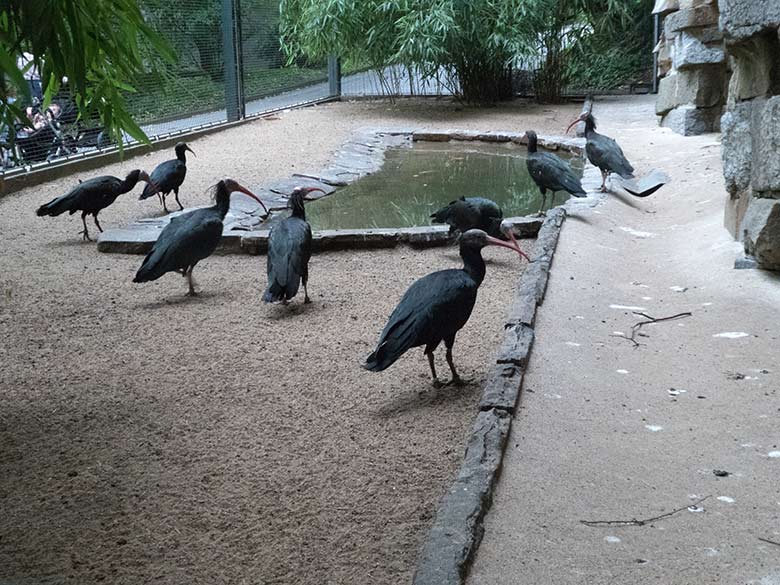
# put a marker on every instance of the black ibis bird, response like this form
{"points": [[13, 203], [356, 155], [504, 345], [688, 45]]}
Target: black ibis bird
{"points": [[436, 307], [92, 196], [550, 172], [168, 176], [190, 237], [471, 213], [602, 151], [289, 250]]}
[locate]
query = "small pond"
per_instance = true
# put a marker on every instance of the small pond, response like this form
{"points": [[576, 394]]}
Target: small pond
{"points": [[415, 182]]}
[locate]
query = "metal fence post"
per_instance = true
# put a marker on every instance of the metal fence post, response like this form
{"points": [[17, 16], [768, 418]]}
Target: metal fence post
{"points": [[231, 47], [334, 76], [656, 38]]}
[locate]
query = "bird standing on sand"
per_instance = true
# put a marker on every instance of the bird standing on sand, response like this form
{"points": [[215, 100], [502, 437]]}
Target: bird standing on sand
{"points": [[550, 172], [436, 307], [289, 250], [168, 176], [92, 196], [190, 237], [471, 213], [602, 151]]}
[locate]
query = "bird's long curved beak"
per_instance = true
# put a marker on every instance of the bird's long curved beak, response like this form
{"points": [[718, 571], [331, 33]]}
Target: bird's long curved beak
{"points": [[246, 191], [308, 190], [511, 244], [192, 151], [576, 121]]}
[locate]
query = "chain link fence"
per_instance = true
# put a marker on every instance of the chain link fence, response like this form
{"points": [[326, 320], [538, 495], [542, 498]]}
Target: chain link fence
{"points": [[230, 66]]}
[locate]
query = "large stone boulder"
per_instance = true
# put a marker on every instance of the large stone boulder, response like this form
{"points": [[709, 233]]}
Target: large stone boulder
{"points": [[766, 145], [761, 232], [690, 18], [702, 87], [737, 147], [741, 19], [665, 6], [690, 52], [754, 63], [689, 120]]}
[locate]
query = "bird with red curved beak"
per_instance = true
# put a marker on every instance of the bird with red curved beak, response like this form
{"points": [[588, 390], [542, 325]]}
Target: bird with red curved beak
{"points": [[289, 251], [602, 151], [436, 307], [190, 237]]}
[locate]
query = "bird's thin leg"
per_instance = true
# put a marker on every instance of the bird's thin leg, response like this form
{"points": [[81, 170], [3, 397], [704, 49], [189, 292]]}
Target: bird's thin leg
{"points": [[165, 207], [541, 207], [159, 196], [191, 282], [305, 280], [436, 382], [97, 223], [456, 380], [176, 193], [604, 181], [85, 233]]}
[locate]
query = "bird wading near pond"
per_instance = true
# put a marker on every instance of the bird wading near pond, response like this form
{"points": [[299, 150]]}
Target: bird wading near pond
{"points": [[550, 172], [436, 307], [602, 151], [289, 250], [190, 237], [471, 213], [92, 196], [168, 176]]}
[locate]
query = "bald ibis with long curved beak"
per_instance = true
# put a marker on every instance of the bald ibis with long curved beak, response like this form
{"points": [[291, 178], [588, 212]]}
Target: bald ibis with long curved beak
{"points": [[602, 151], [289, 250], [168, 176], [469, 213], [436, 307], [190, 237], [92, 196], [550, 172]]}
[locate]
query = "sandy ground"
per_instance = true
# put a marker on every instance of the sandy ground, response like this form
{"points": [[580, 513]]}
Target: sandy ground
{"points": [[145, 436], [611, 432]]}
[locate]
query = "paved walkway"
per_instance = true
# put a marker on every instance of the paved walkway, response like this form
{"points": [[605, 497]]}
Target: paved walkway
{"points": [[607, 431]]}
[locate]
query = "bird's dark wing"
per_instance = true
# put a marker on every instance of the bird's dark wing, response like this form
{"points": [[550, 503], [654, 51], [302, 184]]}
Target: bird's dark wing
{"points": [[85, 194], [552, 172], [186, 240], [433, 308], [165, 177], [606, 154], [289, 250], [486, 207]]}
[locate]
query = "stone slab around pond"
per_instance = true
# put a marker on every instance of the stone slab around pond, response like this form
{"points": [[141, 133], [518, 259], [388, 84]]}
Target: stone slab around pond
{"points": [[140, 237]]}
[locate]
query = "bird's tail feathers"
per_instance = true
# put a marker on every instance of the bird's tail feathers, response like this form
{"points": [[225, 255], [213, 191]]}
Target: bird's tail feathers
{"points": [[54, 207], [149, 191]]}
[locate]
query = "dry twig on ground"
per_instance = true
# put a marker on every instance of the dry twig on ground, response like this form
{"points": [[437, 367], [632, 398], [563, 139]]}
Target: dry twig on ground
{"points": [[644, 522], [635, 328]]}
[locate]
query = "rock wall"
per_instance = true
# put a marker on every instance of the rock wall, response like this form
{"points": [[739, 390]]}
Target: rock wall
{"points": [[691, 65], [751, 126]]}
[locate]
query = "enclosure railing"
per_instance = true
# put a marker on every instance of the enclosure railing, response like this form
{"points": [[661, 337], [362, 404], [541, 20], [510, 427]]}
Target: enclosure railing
{"points": [[230, 66]]}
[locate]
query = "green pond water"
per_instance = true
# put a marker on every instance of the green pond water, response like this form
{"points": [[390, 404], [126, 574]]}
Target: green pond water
{"points": [[415, 182]]}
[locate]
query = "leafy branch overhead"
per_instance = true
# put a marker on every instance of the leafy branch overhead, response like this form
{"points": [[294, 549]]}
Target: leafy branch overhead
{"points": [[100, 46]]}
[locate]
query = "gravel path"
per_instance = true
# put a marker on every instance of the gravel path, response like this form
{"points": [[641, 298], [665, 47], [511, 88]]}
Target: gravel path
{"points": [[146, 436]]}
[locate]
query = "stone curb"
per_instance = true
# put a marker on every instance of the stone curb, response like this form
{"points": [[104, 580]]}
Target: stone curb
{"points": [[457, 530]]}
